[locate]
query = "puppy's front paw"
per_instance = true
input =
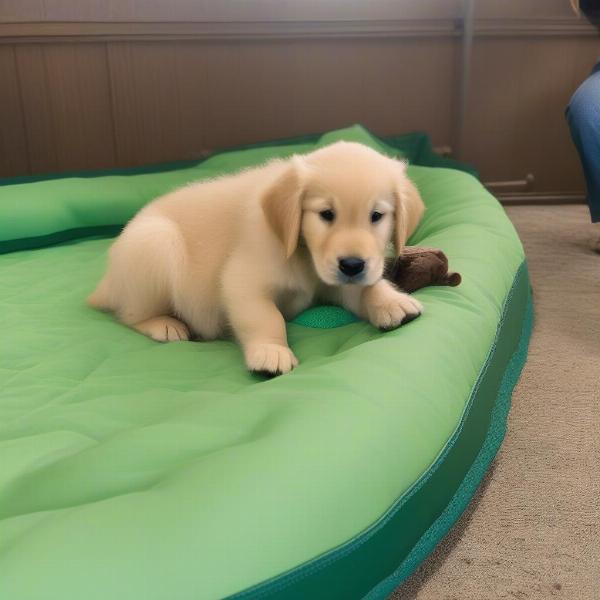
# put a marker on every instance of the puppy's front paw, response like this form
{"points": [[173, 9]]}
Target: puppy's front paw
{"points": [[270, 359], [393, 309]]}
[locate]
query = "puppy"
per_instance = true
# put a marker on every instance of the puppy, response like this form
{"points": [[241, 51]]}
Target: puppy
{"points": [[245, 252]]}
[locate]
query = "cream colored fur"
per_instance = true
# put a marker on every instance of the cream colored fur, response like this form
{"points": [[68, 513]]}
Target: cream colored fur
{"points": [[244, 252]]}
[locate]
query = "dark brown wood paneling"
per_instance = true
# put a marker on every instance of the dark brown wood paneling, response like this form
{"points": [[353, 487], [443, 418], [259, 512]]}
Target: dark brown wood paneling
{"points": [[39, 122], [13, 146], [21, 10], [66, 99], [177, 79], [277, 89], [515, 123], [145, 102], [175, 100], [411, 86]]}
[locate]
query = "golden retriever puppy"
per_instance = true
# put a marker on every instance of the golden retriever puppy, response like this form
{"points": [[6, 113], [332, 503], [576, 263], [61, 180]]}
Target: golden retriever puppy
{"points": [[244, 252]]}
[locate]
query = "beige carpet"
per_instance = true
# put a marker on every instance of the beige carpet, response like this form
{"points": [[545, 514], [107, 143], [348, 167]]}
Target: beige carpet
{"points": [[533, 531]]}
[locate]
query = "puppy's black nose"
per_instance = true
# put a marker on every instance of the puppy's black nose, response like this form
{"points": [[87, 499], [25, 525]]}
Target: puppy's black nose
{"points": [[351, 265]]}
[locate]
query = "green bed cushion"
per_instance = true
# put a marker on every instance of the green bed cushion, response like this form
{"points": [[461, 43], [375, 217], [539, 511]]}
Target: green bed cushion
{"points": [[138, 470]]}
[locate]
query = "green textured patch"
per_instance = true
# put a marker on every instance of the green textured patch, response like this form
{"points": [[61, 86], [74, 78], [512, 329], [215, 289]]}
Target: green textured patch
{"points": [[138, 470], [325, 317]]}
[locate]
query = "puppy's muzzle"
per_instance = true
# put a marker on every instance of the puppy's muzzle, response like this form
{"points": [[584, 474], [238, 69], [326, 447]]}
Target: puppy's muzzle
{"points": [[351, 266]]}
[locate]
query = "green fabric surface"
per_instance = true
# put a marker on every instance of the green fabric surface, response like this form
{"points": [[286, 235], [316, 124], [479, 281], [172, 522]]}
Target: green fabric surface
{"points": [[138, 470]]}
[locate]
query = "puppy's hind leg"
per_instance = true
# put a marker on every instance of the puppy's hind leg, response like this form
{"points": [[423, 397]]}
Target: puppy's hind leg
{"points": [[139, 282], [99, 298], [163, 329]]}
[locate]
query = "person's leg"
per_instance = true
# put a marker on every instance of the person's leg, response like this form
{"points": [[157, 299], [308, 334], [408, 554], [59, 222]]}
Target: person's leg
{"points": [[583, 117]]}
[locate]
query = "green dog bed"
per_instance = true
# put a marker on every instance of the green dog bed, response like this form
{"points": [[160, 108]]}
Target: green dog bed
{"points": [[146, 471]]}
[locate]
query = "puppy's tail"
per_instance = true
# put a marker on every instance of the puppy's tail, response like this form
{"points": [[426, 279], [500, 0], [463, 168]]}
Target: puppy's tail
{"points": [[99, 298]]}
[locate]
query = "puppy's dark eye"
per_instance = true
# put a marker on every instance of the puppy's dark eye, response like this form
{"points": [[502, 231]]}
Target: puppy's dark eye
{"points": [[327, 215], [376, 216]]}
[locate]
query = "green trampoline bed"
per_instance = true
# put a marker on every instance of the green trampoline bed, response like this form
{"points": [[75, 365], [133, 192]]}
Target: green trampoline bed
{"points": [[143, 471]]}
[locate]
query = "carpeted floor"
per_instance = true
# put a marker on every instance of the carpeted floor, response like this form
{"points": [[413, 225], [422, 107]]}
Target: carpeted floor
{"points": [[533, 531]]}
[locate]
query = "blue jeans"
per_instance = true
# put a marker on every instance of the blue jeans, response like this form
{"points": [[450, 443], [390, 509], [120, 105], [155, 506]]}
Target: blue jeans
{"points": [[583, 117]]}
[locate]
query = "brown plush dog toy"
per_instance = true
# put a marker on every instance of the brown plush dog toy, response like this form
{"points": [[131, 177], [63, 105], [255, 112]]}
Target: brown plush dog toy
{"points": [[419, 267]]}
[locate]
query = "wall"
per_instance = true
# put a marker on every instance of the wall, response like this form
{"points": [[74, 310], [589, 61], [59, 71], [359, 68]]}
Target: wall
{"points": [[109, 84]]}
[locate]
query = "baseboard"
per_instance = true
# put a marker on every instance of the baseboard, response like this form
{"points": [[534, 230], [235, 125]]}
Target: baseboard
{"points": [[541, 198]]}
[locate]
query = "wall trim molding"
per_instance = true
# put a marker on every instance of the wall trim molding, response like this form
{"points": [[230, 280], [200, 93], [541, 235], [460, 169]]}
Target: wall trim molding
{"points": [[39, 32]]}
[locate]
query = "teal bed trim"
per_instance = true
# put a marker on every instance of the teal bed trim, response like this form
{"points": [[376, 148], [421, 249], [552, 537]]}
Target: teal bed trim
{"points": [[41, 241], [439, 496]]}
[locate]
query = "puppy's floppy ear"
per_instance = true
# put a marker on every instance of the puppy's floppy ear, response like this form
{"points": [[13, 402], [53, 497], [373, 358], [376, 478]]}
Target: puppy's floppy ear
{"points": [[409, 206], [282, 205]]}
